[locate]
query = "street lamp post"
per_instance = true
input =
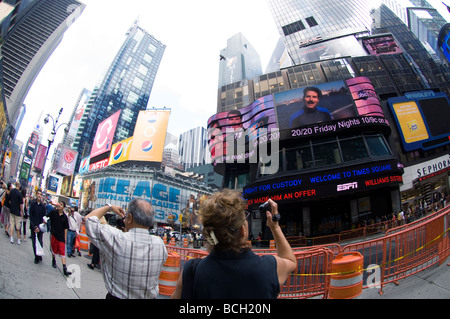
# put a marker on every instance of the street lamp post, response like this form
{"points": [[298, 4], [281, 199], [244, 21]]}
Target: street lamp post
{"points": [[51, 137]]}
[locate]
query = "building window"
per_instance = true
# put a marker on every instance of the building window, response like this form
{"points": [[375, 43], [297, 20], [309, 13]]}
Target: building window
{"points": [[377, 146], [353, 149], [311, 21], [293, 27], [132, 97], [148, 58], [152, 48], [143, 69], [138, 83]]}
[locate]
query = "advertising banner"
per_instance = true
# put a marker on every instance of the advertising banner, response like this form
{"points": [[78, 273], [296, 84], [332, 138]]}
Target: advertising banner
{"points": [[228, 129], [67, 161], [66, 186], [84, 165], [422, 119], [335, 48], [104, 135], [120, 152], [381, 45], [169, 202], [149, 136], [41, 153], [52, 183], [303, 112]]}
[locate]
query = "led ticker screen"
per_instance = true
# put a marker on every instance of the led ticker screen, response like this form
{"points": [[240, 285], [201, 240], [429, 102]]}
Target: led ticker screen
{"points": [[303, 112], [324, 183], [422, 119]]}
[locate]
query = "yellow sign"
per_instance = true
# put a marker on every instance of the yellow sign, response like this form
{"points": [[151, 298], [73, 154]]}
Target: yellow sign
{"points": [[411, 121], [120, 152], [149, 136]]}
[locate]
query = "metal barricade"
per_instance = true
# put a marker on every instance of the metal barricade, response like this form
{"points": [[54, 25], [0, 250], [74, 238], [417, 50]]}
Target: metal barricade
{"points": [[310, 278]]}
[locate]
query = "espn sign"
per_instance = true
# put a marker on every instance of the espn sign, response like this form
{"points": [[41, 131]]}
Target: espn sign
{"points": [[345, 187]]}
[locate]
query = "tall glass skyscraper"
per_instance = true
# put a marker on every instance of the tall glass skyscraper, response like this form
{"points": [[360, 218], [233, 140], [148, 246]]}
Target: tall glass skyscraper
{"points": [[421, 18], [238, 61], [126, 86], [193, 148], [31, 32], [305, 22]]}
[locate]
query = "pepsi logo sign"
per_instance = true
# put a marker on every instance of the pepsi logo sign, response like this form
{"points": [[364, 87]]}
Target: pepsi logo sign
{"points": [[118, 152], [85, 163], [147, 146]]}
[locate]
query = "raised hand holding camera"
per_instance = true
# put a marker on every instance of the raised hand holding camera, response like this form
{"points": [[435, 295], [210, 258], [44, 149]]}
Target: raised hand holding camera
{"points": [[270, 209]]}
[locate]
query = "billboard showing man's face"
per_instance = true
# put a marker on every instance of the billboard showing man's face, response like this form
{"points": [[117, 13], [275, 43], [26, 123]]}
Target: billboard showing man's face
{"points": [[314, 104]]}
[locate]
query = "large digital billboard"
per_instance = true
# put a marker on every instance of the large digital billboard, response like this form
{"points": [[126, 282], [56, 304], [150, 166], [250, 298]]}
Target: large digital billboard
{"points": [[384, 44], [120, 152], [229, 130], [330, 49], [104, 135], [422, 119], [149, 136], [303, 112]]}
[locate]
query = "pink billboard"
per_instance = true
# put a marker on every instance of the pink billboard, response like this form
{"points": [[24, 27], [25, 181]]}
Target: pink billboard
{"points": [[41, 153], [104, 136]]}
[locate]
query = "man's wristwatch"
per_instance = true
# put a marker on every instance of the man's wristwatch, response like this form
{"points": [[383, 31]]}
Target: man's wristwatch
{"points": [[109, 205]]}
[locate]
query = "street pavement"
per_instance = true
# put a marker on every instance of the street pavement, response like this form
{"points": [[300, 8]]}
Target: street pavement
{"points": [[20, 278]]}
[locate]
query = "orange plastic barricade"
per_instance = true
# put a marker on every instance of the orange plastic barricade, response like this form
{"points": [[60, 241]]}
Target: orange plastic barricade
{"points": [[84, 240], [172, 241], [272, 244], [346, 280], [185, 242], [169, 275]]}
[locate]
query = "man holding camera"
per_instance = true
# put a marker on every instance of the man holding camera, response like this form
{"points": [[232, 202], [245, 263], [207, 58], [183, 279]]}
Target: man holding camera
{"points": [[131, 260]]}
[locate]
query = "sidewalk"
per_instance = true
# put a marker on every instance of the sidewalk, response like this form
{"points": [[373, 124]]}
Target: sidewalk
{"points": [[20, 278]]}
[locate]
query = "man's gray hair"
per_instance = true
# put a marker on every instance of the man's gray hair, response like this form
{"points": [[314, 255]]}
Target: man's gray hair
{"points": [[142, 212]]}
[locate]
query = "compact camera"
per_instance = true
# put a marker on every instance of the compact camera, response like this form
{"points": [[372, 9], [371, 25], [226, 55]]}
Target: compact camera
{"points": [[263, 208]]}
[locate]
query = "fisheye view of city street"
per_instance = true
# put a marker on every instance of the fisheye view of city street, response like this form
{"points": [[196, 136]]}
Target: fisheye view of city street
{"points": [[256, 150]]}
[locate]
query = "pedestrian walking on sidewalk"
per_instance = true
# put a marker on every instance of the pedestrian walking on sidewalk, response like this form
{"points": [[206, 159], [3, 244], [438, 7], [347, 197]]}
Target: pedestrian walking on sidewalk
{"points": [[7, 210], [3, 189], [232, 270], [75, 221], [37, 213], [132, 259], [16, 212], [58, 232]]}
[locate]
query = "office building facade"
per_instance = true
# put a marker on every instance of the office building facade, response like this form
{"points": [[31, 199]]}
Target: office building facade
{"points": [[352, 166], [238, 61], [31, 32], [193, 148], [421, 18], [126, 87]]}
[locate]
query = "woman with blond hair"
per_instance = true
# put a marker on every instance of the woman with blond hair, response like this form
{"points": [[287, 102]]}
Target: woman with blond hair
{"points": [[232, 270]]}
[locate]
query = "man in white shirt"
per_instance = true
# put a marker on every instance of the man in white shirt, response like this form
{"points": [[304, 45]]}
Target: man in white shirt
{"points": [[131, 260], [75, 221]]}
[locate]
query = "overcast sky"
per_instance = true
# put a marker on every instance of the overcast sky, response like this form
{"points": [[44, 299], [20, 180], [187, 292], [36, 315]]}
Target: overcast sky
{"points": [[194, 32]]}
